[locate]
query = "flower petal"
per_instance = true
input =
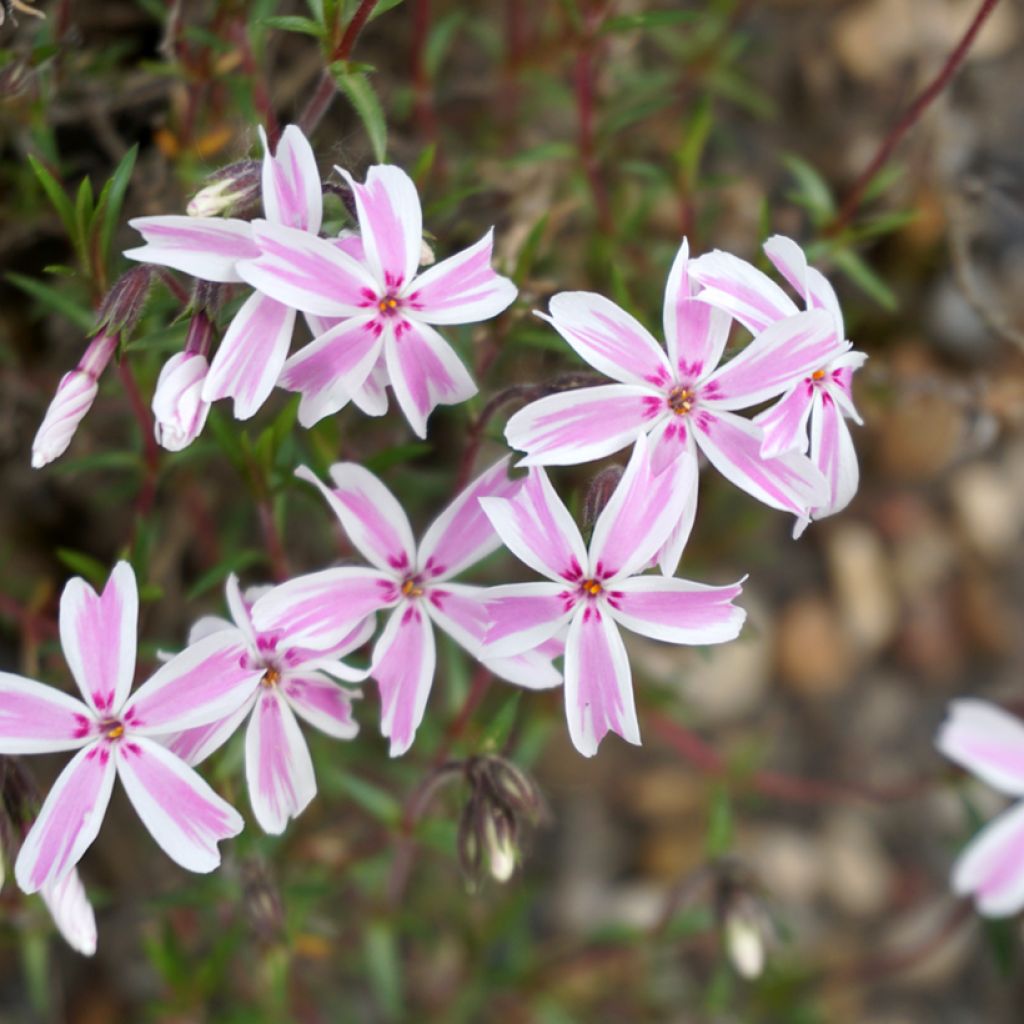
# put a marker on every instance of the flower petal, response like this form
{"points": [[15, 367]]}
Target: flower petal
{"points": [[598, 683], [583, 424], [69, 820], [424, 371], [732, 444], [182, 813], [991, 868], [537, 528], [462, 534], [328, 370], [779, 357], [320, 609], [987, 741], [531, 669], [321, 702], [292, 192], [370, 515], [194, 746], [98, 634], [403, 666], [524, 616], [460, 611], [205, 247], [37, 719], [677, 611], [608, 338], [741, 290], [640, 514], [785, 423], [309, 273], [790, 261], [390, 223], [251, 354], [204, 683], [278, 768], [72, 912], [832, 451], [462, 289]]}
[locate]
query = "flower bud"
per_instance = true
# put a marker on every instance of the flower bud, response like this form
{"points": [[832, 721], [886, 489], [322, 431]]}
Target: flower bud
{"points": [[123, 304], [499, 840], [178, 408], [231, 191], [746, 929], [75, 395]]}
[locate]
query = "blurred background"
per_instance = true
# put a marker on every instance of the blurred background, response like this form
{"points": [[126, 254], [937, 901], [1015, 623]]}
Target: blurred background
{"points": [[788, 781]]}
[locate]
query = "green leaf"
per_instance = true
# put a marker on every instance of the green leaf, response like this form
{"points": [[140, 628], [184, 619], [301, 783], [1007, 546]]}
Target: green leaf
{"points": [[383, 966], [54, 299], [108, 208], [653, 19], [232, 563], [84, 211], [295, 23], [528, 254], [397, 456], [812, 191], [377, 802], [356, 86], [719, 837], [500, 727], [94, 571], [57, 196], [383, 7], [865, 278]]}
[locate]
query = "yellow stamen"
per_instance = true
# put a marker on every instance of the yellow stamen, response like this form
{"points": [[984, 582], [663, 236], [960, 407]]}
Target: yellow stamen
{"points": [[818, 375], [385, 304], [680, 400], [116, 733], [410, 589], [592, 587], [271, 678]]}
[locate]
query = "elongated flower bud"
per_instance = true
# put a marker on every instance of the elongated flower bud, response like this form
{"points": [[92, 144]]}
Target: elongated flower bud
{"points": [[178, 408], [231, 192], [75, 395]]}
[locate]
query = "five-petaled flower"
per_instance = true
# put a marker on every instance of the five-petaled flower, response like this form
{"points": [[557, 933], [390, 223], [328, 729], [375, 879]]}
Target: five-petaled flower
{"points": [[384, 308], [594, 592], [415, 580], [823, 397], [989, 742], [114, 734], [285, 680], [683, 399]]}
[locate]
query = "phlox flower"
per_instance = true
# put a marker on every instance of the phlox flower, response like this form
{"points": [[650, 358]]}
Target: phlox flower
{"points": [[249, 358], [284, 680], [822, 398], [594, 592], [384, 307], [113, 734], [415, 580], [682, 398], [989, 742]]}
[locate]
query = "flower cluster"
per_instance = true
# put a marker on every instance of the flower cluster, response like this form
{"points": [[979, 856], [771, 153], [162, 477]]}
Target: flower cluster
{"points": [[373, 314]]}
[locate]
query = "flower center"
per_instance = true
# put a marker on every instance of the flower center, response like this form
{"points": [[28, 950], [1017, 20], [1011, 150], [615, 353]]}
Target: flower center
{"points": [[681, 399], [388, 305], [271, 678], [591, 587], [411, 588], [115, 730], [818, 375]]}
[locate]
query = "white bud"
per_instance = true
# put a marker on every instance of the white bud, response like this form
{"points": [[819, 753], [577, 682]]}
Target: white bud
{"points": [[501, 852], [75, 394], [744, 941], [178, 408]]}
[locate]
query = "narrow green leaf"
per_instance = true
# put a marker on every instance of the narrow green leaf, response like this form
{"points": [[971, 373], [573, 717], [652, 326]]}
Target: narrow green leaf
{"points": [[356, 86], [54, 299], [295, 23], [865, 278], [528, 253], [57, 196], [500, 727], [383, 7], [236, 562], [383, 966], [111, 201], [397, 456], [653, 19], [94, 571], [812, 191], [377, 802], [84, 211], [719, 837]]}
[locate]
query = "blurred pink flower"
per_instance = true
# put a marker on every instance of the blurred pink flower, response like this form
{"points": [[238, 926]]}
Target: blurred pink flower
{"points": [[72, 912], [383, 307], [113, 734], [414, 580], [594, 592], [683, 399], [285, 680], [989, 742]]}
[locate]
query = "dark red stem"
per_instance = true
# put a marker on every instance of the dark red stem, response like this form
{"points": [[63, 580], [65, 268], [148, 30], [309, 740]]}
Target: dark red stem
{"points": [[150, 449]]}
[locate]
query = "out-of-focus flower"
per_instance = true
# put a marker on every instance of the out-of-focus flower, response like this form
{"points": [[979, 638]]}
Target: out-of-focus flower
{"points": [[682, 398], [594, 592], [113, 734], [232, 191], [284, 680], [383, 306], [415, 580], [989, 742], [744, 924], [8, 7], [823, 397]]}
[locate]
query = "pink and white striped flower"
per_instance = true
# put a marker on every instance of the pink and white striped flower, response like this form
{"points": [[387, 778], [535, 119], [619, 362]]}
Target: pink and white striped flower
{"points": [[682, 399], [249, 359], [989, 742], [285, 680], [414, 580], [823, 397], [384, 308], [113, 734], [594, 592], [179, 410]]}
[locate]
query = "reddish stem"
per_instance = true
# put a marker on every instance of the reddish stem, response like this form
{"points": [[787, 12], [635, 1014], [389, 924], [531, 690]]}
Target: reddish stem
{"points": [[272, 538], [584, 82], [910, 117], [423, 88], [150, 449], [260, 92]]}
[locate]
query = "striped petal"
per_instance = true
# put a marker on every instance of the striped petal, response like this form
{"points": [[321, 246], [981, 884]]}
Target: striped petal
{"points": [[205, 247], [37, 719], [292, 193]]}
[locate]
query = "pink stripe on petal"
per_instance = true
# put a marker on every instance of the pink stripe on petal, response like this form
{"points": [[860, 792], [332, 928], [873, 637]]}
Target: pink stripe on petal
{"points": [[598, 683], [69, 820], [205, 247], [250, 356], [462, 534], [460, 611], [991, 868], [182, 813], [321, 702], [524, 616], [194, 746], [403, 666], [390, 222], [609, 339], [292, 193], [462, 289], [537, 528], [676, 611], [987, 741], [741, 290], [278, 768], [785, 424], [425, 372], [98, 635], [37, 719], [584, 424], [832, 451]]}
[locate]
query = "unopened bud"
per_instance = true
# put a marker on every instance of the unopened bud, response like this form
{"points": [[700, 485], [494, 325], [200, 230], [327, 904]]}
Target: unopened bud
{"points": [[499, 838], [745, 926], [512, 787], [232, 191], [75, 395], [179, 411], [744, 942], [125, 301]]}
